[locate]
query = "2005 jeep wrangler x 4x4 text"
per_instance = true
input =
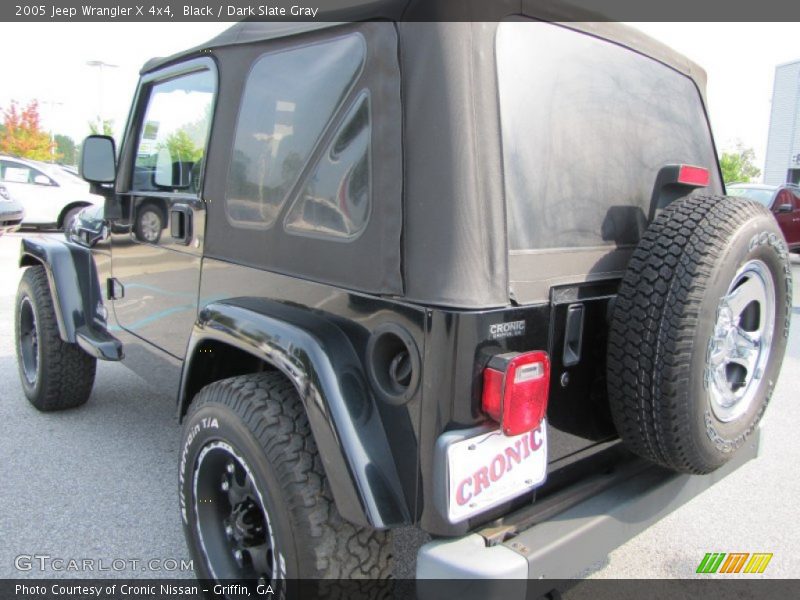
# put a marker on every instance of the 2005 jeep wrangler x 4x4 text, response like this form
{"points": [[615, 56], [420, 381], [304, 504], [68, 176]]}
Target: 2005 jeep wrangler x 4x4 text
{"points": [[476, 278]]}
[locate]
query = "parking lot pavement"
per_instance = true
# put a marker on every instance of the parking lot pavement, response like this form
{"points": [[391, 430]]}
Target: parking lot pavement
{"points": [[99, 482]]}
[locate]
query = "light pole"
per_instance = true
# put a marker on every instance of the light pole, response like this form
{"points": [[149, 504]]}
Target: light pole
{"points": [[52, 104], [100, 65]]}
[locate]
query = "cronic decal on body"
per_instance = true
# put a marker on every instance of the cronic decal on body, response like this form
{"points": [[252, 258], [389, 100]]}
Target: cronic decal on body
{"points": [[506, 330]]}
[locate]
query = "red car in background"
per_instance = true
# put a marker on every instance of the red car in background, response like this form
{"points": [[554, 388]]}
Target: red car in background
{"points": [[783, 201]]}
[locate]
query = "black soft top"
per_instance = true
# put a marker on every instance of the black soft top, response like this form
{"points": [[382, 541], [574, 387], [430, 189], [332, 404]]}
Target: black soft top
{"points": [[454, 245], [562, 11]]}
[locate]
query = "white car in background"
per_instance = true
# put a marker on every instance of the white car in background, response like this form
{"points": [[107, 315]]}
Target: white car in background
{"points": [[11, 212], [50, 194]]}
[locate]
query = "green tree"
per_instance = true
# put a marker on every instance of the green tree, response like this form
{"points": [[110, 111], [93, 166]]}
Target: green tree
{"points": [[104, 127], [738, 165], [182, 148], [65, 146], [22, 134]]}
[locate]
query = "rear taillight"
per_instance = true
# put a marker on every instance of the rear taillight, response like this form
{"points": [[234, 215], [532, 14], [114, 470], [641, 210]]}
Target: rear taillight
{"points": [[695, 176], [515, 390]]}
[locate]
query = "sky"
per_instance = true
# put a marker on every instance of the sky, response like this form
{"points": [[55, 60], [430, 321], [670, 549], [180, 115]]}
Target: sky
{"points": [[739, 58]]}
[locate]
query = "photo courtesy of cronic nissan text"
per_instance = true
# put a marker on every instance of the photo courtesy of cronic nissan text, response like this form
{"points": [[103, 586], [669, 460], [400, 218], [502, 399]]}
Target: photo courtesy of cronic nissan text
{"points": [[399, 299]]}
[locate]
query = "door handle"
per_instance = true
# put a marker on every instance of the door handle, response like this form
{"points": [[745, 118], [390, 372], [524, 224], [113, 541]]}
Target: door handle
{"points": [[573, 335], [180, 223]]}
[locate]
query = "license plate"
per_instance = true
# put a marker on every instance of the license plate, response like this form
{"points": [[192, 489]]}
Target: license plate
{"points": [[489, 469]]}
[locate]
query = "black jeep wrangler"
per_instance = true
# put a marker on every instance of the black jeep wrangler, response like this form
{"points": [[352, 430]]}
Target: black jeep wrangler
{"points": [[479, 278]]}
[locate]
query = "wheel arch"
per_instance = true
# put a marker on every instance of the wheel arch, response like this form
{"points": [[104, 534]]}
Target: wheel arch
{"points": [[319, 360], [67, 208], [76, 293], [68, 279]]}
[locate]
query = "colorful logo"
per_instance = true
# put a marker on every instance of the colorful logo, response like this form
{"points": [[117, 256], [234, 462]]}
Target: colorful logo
{"points": [[734, 562]]}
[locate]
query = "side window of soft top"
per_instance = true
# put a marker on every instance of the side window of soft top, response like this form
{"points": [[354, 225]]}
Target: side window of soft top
{"points": [[302, 143]]}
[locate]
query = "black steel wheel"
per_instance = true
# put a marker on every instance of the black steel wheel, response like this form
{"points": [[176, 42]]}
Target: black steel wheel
{"points": [[255, 501], [233, 526], [28, 344]]}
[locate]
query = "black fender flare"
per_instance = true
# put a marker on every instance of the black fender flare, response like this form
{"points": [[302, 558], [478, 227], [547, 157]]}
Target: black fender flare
{"points": [[76, 293], [324, 367]]}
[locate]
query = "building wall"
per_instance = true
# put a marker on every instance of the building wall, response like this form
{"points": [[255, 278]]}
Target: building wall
{"points": [[783, 143]]}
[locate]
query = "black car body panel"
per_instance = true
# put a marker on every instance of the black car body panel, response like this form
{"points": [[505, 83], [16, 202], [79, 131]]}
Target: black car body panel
{"points": [[290, 325], [319, 358]]}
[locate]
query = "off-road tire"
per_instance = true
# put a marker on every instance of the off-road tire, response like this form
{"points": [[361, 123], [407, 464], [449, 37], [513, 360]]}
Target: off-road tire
{"points": [[65, 373], [662, 324], [262, 418]]}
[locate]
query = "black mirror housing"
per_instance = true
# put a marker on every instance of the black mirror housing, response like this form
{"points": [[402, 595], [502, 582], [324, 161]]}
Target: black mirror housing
{"points": [[98, 159]]}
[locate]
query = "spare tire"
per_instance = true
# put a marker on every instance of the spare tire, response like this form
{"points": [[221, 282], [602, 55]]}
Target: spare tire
{"points": [[698, 332]]}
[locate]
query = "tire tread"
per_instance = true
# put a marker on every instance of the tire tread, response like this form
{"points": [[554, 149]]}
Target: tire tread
{"points": [[66, 372], [655, 316], [269, 406]]}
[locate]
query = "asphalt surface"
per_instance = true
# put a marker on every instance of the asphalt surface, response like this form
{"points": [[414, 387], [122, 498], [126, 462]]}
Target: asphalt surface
{"points": [[99, 482]]}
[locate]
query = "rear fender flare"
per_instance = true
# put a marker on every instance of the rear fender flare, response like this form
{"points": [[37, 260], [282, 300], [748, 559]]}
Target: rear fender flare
{"points": [[319, 359]]}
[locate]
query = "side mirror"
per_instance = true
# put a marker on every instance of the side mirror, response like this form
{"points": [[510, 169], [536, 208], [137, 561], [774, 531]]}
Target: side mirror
{"points": [[785, 208], [98, 159], [41, 180], [172, 174]]}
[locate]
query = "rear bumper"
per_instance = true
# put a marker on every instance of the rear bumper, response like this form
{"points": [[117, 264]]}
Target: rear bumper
{"points": [[10, 220], [567, 543]]}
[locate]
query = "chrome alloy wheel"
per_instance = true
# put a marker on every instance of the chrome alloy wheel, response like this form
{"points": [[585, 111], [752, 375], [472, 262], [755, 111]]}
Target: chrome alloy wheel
{"points": [[150, 225], [741, 341]]}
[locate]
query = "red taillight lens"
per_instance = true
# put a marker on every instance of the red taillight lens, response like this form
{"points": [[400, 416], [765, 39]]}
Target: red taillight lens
{"points": [[689, 175], [515, 390]]}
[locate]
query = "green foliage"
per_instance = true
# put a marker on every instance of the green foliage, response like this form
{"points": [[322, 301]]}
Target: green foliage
{"points": [[182, 148], [738, 165], [104, 127], [65, 146], [22, 134]]}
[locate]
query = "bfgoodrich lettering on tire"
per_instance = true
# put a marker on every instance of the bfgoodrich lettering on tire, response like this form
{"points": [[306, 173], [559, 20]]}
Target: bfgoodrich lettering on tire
{"points": [[255, 502], [699, 331]]}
